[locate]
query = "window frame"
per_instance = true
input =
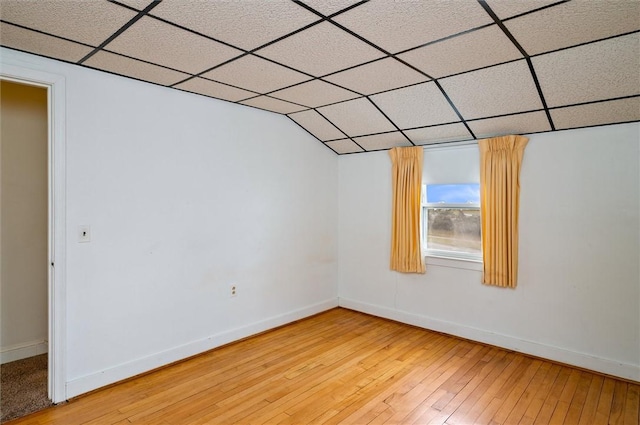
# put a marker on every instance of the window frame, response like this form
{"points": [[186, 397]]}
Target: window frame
{"points": [[440, 253]]}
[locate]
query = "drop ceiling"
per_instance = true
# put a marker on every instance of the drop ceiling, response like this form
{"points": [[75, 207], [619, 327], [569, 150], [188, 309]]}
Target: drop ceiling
{"points": [[363, 75]]}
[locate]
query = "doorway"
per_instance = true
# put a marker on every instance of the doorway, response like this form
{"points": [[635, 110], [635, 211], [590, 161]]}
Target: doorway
{"points": [[24, 247], [14, 68]]}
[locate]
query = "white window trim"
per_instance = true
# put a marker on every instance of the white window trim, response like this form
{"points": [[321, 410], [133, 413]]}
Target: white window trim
{"points": [[454, 263]]}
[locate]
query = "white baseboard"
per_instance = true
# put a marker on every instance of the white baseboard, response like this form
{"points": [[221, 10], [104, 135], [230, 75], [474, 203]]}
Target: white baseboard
{"points": [[586, 361], [23, 351], [87, 383]]}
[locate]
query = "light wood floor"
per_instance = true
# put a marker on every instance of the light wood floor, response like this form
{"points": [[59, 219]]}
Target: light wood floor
{"points": [[346, 367]]}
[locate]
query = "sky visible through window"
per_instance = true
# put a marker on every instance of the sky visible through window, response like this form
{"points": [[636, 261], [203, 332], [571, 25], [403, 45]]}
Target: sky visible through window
{"points": [[466, 193]]}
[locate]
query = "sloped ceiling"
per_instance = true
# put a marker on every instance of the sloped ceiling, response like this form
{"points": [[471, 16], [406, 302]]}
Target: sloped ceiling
{"points": [[363, 75]]}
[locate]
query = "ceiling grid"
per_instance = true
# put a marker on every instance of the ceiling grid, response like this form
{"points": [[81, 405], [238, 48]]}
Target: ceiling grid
{"points": [[367, 75]]}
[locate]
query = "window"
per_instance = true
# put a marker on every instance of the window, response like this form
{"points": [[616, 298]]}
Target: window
{"points": [[451, 220]]}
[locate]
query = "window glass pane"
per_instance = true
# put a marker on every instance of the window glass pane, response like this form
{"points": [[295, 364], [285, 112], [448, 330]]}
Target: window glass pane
{"points": [[468, 193], [454, 229]]}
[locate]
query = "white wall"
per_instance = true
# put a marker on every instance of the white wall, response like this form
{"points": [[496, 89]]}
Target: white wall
{"points": [[185, 195], [23, 280], [578, 294]]}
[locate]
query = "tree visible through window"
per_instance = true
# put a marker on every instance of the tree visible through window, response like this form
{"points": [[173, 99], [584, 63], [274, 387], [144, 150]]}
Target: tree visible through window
{"points": [[451, 220]]}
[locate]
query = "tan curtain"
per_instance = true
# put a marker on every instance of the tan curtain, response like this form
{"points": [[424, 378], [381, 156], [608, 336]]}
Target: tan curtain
{"points": [[406, 255], [500, 162]]}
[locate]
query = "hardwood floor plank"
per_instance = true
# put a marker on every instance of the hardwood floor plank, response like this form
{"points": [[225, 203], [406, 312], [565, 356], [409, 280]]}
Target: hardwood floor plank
{"points": [[345, 367], [516, 393], [604, 403], [577, 402], [537, 403], [550, 402], [492, 408], [632, 404], [467, 390], [338, 394], [521, 406], [564, 402], [591, 403], [370, 395], [616, 416], [509, 365]]}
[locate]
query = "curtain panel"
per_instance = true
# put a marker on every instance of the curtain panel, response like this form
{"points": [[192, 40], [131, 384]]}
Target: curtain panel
{"points": [[406, 168], [500, 163]]}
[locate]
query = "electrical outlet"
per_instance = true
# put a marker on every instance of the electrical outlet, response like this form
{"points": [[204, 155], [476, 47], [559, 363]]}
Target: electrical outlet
{"points": [[84, 233], [233, 290]]}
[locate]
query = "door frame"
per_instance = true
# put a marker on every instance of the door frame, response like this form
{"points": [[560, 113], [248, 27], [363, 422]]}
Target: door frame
{"points": [[56, 134]]}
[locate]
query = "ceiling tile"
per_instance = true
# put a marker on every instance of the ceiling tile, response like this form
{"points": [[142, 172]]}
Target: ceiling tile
{"points": [[502, 89], [573, 23], [246, 24], [157, 42], [344, 146], [314, 93], [274, 105], [439, 133], [357, 117], [329, 7], [374, 77], [40, 44], [507, 8], [383, 141], [320, 50], [256, 74], [317, 125], [134, 68], [399, 25], [596, 71], [211, 88], [416, 106], [477, 49], [610, 112], [137, 4], [531, 122], [88, 22]]}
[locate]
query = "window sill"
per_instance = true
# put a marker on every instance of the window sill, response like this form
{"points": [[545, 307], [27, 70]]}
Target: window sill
{"points": [[455, 263]]}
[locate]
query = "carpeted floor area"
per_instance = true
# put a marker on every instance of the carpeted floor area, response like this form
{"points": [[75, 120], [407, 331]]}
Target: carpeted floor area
{"points": [[23, 387]]}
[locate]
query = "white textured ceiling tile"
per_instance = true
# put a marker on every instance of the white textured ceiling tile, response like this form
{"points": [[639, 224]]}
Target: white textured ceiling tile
{"points": [[40, 44], [532, 122], [320, 50], [137, 4], [274, 105], [89, 22], [502, 89], [399, 25], [477, 49], [211, 88], [329, 7], [507, 8], [344, 146], [441, 133], [157, 42], [357, 117], [596, 71], [575, 22], [314, 93], [315, 124], [247, 24], [611, 112], [374, 77], [416, 106], [383, 141], [256, 74], [134, 68]]}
